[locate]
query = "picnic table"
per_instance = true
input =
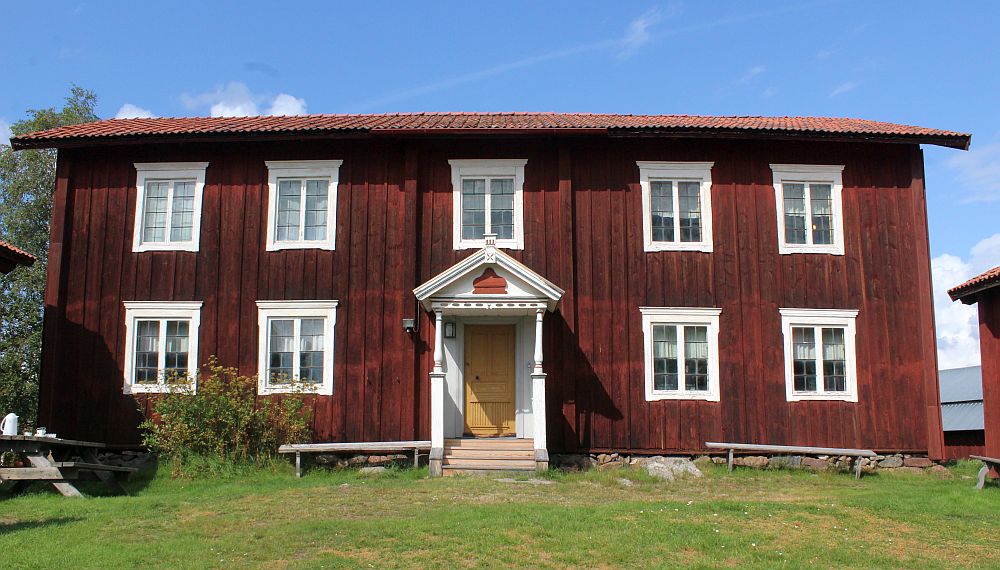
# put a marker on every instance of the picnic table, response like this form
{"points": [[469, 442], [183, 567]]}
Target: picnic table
{"points": [[988, 463], [59, 462]]}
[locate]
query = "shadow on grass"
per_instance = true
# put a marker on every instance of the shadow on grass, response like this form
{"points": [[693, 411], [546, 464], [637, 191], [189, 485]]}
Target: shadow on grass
{"points": [[12, 527]]}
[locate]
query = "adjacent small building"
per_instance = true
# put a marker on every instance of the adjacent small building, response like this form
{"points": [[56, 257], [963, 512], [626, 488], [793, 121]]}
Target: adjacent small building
{"points": [[11, 257], [984, 289], [962, 411]]}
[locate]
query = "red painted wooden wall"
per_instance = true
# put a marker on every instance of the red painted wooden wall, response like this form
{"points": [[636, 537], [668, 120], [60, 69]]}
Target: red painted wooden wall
{"points": [[582, 231], [989, 348]]}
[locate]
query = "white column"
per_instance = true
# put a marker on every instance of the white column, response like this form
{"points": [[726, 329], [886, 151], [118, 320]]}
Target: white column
{"points": [[538, 396], [437, 396]]}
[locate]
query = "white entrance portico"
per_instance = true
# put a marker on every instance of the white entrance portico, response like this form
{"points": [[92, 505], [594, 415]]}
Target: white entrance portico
{"points": [[487, 290]]}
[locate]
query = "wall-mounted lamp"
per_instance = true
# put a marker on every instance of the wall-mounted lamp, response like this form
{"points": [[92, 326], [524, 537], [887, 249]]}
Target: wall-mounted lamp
{"points": [[410, 326], [449, 330]]}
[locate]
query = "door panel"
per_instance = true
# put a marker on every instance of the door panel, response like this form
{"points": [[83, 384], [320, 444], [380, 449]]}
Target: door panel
{"points": [[489, 380]]}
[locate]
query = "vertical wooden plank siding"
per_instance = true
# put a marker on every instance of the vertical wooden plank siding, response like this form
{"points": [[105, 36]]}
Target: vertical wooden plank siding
{"points": [[989, 348], [583, 231]]}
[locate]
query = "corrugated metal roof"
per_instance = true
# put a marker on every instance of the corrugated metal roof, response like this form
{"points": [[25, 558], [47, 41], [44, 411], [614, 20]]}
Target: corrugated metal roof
{"points": [[489, 122], [961, 384], [962, 417]]}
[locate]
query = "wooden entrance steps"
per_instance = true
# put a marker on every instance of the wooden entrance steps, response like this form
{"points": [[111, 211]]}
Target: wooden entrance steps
{"points": [[488, 455]]}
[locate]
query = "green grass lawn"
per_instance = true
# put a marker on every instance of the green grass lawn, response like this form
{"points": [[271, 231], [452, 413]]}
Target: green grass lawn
{"points": [[404, 519]]}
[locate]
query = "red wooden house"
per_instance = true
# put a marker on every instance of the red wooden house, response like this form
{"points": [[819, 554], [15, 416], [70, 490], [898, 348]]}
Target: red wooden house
{"points": [[638, 284], [985, 290]]}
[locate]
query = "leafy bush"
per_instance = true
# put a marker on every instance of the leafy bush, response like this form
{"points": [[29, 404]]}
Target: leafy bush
{"points": [[224, 423]]}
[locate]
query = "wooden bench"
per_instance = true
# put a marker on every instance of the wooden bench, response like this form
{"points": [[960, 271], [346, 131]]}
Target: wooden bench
{"points": [[793, 450], [299, 448], [988, 463]]}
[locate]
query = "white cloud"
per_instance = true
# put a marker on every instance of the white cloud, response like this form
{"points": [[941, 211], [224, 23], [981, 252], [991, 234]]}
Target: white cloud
{"points": [[750, 74], [285, 104], [979, 172], [957, 323], [844, 88], [235, 99], [130, 111], [5, 133], [637, 34]]}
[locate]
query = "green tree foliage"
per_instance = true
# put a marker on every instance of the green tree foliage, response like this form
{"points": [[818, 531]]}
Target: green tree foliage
{"points": [[27, 179]]}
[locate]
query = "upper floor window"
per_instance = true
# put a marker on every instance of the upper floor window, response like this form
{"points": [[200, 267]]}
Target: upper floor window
{"points": [[681, 353], [820, 357], [810, 208], [488, 199], [296, 346], [168, 205], [161, 345], [676, 205], [302, 204]]}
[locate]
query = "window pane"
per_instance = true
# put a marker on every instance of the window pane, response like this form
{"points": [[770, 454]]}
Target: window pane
{"points": [[282, 351], [690, 210], [154, 217], [317, 199], [177, 341], [147, 352], [182, 217], [804, 359], [289, 210], [502, 207], [696, 358], [662, 209], [795, 212], [664, 357], [473, 208], [311, 351], [834, 360], [822, 213]]}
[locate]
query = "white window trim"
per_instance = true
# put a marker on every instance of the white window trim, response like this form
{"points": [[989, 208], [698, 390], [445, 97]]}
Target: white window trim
{"points": [[172, 171], [267, 310], [277, 169], [478, 168], [811, 173], [683, 171], [158, 310], [845, 318], [681, 316]]}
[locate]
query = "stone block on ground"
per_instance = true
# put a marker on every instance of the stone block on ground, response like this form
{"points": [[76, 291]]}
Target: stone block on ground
{"points": [[815, 464], [754, 461], [371, 470], [911, 470], [891, 462], [786, 462], [669, 468], [921, 462], [940, 471]]}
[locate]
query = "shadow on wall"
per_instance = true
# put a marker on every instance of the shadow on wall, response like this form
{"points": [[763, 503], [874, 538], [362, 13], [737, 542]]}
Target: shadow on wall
{"points": [[84, 399], [577, 383]]}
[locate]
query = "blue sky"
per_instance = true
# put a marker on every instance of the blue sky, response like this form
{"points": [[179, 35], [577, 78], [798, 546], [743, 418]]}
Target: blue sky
{"points": [[920, 63]]}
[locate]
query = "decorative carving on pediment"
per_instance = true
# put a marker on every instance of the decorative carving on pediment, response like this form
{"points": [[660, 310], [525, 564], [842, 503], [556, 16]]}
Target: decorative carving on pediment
{"points": [[489, 283]]}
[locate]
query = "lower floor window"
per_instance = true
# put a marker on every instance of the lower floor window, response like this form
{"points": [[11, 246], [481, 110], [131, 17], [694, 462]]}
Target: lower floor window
{"points": [[161, 345], [820, 360], [682, 347], [296, 346]]}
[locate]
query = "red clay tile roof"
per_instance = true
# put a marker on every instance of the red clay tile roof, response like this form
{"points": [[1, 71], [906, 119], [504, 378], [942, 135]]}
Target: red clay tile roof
{"points": [[978, 283], [14, 255], [820, 127]]}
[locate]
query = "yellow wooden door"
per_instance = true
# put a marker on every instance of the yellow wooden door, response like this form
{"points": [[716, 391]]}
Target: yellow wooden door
{"points": [[489, 380]]}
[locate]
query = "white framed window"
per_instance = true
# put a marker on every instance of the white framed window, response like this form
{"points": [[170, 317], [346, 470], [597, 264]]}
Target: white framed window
{"points": [[168, 205], [809, 199], [676, 205], [161, 345], [488, 198], [296, 346], [681, 346], [302, 204], [820, 354]]}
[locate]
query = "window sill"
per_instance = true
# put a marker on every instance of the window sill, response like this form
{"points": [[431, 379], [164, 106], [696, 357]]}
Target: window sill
{"points": [[158, 388], [319, 390], [481, 243], [786, 249], [678, 246], [166, 246], [703, 396], [822, 397], [278, 246]]}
